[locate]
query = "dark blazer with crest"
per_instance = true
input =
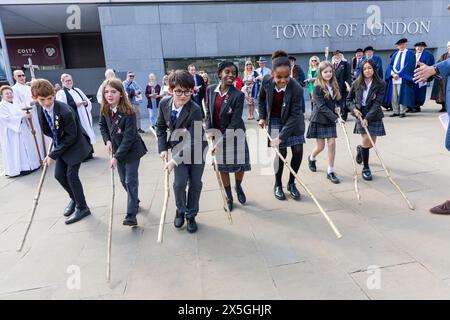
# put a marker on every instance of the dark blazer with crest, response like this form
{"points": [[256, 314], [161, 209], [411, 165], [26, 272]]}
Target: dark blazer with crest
{"points": [[323, 111], [127, 144], [190, 121], [292, 117], [73, 142], [372, 112], [231, 111]]}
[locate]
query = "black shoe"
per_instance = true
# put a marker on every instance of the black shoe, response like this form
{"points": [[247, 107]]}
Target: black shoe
{"points": [[78, 215], [402, 115], [293, 191], [418, 109], [229, 204], [312, 164], [191, 225], [241, 195], [443, 109], [141, 131], [366, 174], [279, 194], [130, 220], [69, 209], [179, 220], [394, 115], [332, 176], [359, 158], [410, 110]]}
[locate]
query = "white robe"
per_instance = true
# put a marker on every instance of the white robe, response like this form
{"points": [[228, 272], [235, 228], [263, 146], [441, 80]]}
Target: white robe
{"points": [[84, 113], [18, 147], [22, 97], [100, 94]]}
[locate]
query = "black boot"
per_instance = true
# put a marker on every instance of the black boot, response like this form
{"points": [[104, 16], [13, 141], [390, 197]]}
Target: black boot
{"points": [[130, 220]]}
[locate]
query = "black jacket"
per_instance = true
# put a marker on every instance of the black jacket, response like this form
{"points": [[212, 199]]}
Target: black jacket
{"points": [[372, 112], [127, 144], [73, 142], [323, 111], [231, 111], [292, 117], [343, 74], [189, 127]]}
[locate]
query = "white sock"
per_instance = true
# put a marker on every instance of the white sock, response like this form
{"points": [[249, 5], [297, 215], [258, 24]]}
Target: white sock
{"points": [[312, 158], [330, 170]]}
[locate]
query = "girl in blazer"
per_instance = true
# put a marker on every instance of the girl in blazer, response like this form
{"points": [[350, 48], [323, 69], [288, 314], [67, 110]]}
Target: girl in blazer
{"points": [[326, 97], [365, 99], [280, 106], [119, 132], [224, 108]]}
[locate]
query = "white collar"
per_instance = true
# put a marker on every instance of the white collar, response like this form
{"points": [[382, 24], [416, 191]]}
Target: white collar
{"points": [[218, 91], [177, 109], [113, 109], [280, 90]]}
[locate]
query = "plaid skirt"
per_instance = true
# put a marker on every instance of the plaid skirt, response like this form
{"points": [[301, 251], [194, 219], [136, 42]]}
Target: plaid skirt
{"points": [[376, 128], [233, 156], [319, 131], [276, 125]]}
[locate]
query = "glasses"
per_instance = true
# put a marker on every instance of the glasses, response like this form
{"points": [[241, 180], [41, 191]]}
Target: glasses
{"points": [[178, 93], [21, 75], [131, 76]]}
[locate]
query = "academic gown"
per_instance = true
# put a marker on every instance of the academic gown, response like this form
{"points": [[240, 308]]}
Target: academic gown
{"points": [[406, 96], [420, 92], [84, 113], [23, 98], [18, 147]]}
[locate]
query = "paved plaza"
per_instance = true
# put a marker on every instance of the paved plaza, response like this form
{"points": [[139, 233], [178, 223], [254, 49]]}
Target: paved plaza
{"points": [[273, 250]]}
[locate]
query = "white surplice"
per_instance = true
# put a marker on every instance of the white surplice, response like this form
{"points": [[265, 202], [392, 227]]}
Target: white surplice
{"points": [[18, 147]]}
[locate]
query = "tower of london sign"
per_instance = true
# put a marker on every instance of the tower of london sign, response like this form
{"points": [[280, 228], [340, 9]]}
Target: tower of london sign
{"points": [[304, 31]]}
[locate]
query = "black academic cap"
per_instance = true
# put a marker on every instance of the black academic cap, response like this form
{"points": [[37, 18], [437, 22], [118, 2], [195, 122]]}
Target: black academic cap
{"points": [[359, 50], [420, 44], [337, 52], [402, 40], [292, 58]]}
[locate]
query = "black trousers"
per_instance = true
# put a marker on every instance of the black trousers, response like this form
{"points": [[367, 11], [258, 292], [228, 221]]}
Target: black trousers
{"points": [[67, 176]]}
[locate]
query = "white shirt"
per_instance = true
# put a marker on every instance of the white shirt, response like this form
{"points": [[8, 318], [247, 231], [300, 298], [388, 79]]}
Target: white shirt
{"points": [[402, 65], [280, 90], [50, 112], [113, 109], [265, 71], [330, 90], [365, 93], [178, 110], [218, 91]]}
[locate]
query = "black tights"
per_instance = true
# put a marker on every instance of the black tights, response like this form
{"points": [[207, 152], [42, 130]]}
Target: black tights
{"points": [[297, 155]]}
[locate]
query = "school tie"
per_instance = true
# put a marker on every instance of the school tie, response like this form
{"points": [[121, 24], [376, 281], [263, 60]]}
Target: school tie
{"points": [[398, 66], [52, 127], [262, 72], [173, 117]]}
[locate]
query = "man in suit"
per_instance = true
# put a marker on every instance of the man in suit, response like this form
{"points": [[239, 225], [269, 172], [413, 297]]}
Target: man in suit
{"points": [[343, 74], [439, 71], [182, 117], [369, 55], [199, 86], [70, 146], [356, 63]]}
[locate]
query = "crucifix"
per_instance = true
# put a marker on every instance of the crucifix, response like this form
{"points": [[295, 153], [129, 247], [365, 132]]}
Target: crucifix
{"points": [[31, 66]]}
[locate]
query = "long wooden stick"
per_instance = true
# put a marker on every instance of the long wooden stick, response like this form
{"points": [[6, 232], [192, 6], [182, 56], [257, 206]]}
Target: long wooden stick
{"points": [[385, 168], [35, 203], [111, 215], [355, 173], [165, 204], [330, 222]]}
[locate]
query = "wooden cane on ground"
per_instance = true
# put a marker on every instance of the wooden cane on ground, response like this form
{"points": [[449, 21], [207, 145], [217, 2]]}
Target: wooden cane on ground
{"points": [[111, 215], [165, 204], [355, 173], [336, 231], [33, 132], [385, 168], [35, 203]]}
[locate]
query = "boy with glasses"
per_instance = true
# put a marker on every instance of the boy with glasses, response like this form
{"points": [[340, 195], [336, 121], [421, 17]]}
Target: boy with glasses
{"points": [[182, 117]]}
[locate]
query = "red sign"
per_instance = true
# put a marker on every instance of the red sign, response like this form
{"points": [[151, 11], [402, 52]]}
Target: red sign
{"points": [[43, 51]]}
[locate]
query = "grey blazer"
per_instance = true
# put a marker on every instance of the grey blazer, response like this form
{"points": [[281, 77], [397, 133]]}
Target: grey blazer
{"points": [[323, 111], [292, 118], [372, 112]]}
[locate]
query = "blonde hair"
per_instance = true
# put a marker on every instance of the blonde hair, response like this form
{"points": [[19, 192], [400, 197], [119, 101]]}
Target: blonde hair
{"points": [[246, 73], [313, 58], [65, 75], [320, 81], [124, 105]]}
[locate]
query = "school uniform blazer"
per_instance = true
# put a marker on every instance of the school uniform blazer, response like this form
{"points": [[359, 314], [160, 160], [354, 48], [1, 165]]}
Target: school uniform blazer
{"points": [[189, 121], [73, 142], [292, 118], [231, 111], [127, 144], [323, 111], [373, 101]]}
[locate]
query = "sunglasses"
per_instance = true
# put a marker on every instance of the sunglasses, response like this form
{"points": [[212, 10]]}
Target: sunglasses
{"points": [[21, 75], [131, 76]]}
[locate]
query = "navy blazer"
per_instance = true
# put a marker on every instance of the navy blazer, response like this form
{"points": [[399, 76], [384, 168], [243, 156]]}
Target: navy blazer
{"points": [[292, 118], [127, 144], [372, 112], [73, 142]]}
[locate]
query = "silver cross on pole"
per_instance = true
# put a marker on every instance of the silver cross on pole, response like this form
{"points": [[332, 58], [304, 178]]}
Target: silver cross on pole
{"points": [[31, 66]]}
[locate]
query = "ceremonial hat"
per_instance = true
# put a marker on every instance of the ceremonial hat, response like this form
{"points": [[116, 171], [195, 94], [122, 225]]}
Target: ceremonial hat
{"points": [[359, 50], [420, 44], [292, 58], [368, 48], [337, 52], [402, 40]]}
